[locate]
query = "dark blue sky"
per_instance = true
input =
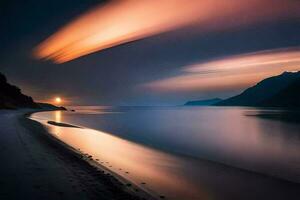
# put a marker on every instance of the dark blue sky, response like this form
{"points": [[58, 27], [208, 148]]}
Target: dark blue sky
{"points": [[113, 76]]}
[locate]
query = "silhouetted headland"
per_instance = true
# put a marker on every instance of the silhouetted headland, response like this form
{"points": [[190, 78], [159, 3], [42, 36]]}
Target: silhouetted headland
{"points": [[11, 97], [276, 91]]}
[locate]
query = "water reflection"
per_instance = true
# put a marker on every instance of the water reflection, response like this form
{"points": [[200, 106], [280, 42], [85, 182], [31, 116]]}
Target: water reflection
{"points": [[137, 163], [58, 116], [292, 116], [225, 135]]}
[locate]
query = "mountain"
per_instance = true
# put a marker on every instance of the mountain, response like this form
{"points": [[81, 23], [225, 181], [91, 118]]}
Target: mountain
{"points": [[288, 97], [277, 91], [205, 102], [11, 96]]}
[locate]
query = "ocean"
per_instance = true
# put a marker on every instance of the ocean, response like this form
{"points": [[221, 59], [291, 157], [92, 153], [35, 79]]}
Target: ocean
{"points": [[184, 152]]}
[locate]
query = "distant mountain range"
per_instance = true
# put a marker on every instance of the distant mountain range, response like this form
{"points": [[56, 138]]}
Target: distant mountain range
{"points": [[276, 91], [11, 97], [205, 102]]}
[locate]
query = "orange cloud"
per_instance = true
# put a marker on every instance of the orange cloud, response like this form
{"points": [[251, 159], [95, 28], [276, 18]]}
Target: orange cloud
{"points": [[121, 21], [231, 72]]}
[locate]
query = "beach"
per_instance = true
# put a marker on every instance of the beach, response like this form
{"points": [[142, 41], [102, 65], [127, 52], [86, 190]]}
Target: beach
{"points": [[34, 165], [41, 159]]}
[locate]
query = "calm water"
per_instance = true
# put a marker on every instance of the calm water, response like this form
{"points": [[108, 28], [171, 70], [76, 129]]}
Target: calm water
{"points": [[191, 152]]}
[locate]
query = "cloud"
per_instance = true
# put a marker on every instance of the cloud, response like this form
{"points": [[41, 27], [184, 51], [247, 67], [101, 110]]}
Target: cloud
{"points": [[121, 21], [237, 71]]}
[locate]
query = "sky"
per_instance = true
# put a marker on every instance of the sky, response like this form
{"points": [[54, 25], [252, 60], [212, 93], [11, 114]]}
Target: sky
{"points": [[139, 52]]}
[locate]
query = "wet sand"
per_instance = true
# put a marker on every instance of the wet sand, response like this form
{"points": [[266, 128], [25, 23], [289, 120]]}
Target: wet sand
{"points": [[62, 124], [35, 165]]}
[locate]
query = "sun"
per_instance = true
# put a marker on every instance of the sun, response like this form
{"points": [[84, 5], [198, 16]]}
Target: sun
{"points": [[57, 99]]}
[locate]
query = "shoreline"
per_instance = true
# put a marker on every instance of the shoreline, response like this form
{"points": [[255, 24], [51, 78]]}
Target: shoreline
{"points": [[260, 173], [115, 181], [231, 173], [180, 154]]}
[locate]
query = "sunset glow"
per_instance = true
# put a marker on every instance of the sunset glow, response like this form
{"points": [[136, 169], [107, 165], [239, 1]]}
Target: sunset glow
{"points": [[123, 21], [238, 71]]}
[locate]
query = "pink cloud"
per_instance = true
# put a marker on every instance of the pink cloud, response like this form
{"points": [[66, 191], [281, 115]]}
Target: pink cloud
{"points": [[230, 72], [121, 21]]}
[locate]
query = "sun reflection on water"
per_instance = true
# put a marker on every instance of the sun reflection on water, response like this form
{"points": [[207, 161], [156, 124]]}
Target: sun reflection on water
{"points": [[57, 118]]}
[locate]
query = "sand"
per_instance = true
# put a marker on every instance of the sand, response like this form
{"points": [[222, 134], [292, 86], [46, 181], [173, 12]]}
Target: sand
{"points": [[62, 124], [36, 166]]}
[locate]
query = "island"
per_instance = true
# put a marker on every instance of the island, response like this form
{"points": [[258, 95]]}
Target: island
{"points": [[204, 102]]}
